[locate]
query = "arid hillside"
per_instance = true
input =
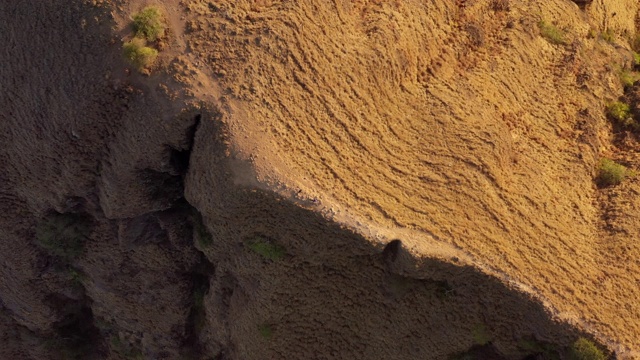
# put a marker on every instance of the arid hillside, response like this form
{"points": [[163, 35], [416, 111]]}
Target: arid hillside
{"points": [[455, 126], [319, 180]]}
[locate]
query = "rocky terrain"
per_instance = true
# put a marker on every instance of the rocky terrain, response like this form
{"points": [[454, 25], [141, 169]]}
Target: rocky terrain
{"points": [[319, 180]]}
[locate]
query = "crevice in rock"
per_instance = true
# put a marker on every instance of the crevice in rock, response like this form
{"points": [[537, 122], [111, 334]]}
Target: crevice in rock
{"points": [[582, 4], [179, 158], [144, 229], [201, 235], [197, 320], [162, 187], [76, 336], [167, 185]]}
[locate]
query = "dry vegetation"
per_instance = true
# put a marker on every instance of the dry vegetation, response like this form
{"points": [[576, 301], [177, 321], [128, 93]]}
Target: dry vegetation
{"points": [[552, 33], [138, 54], [149, 26]]}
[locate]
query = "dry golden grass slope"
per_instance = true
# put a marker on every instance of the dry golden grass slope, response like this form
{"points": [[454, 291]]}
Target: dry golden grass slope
{"points": [[453, 125]]}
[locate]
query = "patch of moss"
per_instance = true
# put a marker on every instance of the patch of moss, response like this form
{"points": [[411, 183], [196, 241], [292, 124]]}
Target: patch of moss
{"points": [[608, 36], [552, 33], [265, 331], [480, 335], [266, 248]]}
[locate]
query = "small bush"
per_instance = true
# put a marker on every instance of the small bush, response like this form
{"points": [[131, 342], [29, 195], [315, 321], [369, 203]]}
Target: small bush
{"points": [[619, 111], [267, 249], [611, 173], [636, 59], [265, 331], [628, 78], [149, 23], [608, 36], [584, 349], [138, 54], [552, 33]]}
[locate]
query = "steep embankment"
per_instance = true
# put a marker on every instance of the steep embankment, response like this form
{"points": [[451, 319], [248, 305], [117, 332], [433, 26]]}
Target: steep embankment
{"points": [[138, 222]]}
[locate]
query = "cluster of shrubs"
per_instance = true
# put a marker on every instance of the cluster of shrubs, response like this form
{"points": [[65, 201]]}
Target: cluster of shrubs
{"points": [[149, 26], [611, 173], [624, 116]]}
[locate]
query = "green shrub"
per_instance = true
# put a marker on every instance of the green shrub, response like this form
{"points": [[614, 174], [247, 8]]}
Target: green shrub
{"points": [[149, 23], [552, 33], [608, 36], [63, 235], [619, 111], [611, 173], [636, 59], [265, 331], [138, 54], [584, 349], [628, 78], [267, 249]]}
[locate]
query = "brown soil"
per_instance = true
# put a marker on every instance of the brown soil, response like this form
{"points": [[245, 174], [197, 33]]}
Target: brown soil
{"points": [[323, 131]]}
